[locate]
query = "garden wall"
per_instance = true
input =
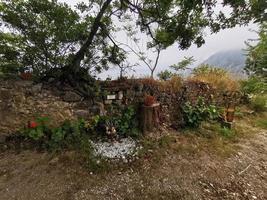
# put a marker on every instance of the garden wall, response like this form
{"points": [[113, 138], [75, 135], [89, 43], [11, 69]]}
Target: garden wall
{"points": [[21, 101]]}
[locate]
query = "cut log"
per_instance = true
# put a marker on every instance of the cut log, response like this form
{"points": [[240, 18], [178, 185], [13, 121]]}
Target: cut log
{"points": [[150, 117]]}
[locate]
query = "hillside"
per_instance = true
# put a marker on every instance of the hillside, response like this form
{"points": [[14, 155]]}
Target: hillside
{"points": [[231, 60]]}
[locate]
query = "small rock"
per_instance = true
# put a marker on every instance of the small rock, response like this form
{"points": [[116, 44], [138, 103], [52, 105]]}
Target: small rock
{"points": [[82, 113], [37, 88], [98, 109], [51, 80], [70, 96], [54, 161], [2, 139], [108, 102]]}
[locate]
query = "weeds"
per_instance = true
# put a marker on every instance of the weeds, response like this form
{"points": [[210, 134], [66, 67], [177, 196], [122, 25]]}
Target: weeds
{"points": [[262, 123], [217, 77], [253, 85], [259, 103], [194, 115]]}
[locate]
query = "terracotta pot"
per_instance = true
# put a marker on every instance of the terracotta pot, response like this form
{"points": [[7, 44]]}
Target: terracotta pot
{"points": [[230, 114], [149, 100], [26, 76]]}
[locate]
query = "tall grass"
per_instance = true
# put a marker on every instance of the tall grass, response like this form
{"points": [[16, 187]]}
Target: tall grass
{"points": [[219, 78]]}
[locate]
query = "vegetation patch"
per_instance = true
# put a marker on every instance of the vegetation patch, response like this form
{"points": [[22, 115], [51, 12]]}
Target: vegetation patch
{"points": [[195, 114], [262, 123]]}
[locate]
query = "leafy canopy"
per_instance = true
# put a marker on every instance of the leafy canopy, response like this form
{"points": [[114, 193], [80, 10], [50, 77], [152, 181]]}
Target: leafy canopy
{"points": [[256, 62], [45, 34]]}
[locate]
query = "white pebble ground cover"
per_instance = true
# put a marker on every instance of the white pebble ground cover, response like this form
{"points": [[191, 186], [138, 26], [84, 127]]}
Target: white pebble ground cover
{"points": [[122, 149]]}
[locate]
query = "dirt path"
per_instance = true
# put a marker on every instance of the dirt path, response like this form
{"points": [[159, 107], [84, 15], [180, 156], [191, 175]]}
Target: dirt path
{"points": [[179, 173]]}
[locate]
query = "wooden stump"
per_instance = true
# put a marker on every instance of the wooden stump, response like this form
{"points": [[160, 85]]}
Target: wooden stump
{"points": [[150, 117]]}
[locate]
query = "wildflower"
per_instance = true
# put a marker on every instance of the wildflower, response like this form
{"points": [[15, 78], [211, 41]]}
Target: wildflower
{"points": [[32, 124]]}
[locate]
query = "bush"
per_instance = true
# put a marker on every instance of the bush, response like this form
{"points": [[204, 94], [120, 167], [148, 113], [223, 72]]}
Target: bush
{"points": [[124, 123], [194, 115], [165, 75], [259, 103], [262, 123], [253, 85], [68, 134], [217, 77], [172, 85], [226, 132]]}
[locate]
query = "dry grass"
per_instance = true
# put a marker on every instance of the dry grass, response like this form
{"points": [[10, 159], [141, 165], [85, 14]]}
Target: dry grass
{"points": [[171, 86], [218, 78]]}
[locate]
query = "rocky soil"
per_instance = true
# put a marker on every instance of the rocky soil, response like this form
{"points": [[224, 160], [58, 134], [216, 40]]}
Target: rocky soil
{"points": [[183, 168]]}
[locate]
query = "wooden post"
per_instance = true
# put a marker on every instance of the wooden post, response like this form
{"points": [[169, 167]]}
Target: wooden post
{"points": [[150, 117]]}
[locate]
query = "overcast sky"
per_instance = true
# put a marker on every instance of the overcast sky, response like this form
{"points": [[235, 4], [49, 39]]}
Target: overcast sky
{"points": [[224, 40]]}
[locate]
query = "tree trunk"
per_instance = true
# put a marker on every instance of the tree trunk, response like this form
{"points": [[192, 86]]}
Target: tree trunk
{"points": [[150, 117], [79, 56], [152, 74]]}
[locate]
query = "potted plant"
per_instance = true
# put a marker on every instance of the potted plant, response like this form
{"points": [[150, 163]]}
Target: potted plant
{"points": [[149, 100]]}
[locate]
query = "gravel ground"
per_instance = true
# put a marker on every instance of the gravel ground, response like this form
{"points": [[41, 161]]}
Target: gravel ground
{"points": [[180, 171]]}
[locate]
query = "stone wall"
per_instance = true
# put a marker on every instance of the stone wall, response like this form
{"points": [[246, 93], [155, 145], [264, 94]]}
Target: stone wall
{"points": [[21, 101]]}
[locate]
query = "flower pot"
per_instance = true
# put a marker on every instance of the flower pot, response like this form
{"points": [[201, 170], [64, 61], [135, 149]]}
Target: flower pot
{"points": [[230, 114], [149, 101], [26, 76]]}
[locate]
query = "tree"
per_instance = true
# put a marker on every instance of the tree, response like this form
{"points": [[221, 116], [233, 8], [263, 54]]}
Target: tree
{"points": [[183, 64], [256, 63], [9, 56], [165, 75], [45, 37], [56, 36], [43, 34], [124, 67], [175, 21], [180, 66]]}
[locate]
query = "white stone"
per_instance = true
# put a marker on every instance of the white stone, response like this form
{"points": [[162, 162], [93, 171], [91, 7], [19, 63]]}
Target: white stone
{"points": [[123, 149], [111, 97], [120, 95]]}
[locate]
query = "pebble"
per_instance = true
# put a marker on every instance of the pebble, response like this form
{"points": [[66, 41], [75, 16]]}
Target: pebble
{"points": [[120, 149]]}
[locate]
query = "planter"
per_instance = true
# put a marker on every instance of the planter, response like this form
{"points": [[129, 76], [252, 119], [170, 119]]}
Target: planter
{"points": [[149, 100], [150, 117], [26, 76], [230, 114]]}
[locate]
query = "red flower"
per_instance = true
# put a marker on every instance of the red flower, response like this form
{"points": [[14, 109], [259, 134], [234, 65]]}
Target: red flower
{"points": [[32, 124]]}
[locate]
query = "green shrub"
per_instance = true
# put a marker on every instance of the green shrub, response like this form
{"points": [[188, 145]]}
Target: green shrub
{"points": [[226, 132], [259, 103], [195, 114], [66, 135], [262, 123], [124, 121], [253, 85], [165, 75]]}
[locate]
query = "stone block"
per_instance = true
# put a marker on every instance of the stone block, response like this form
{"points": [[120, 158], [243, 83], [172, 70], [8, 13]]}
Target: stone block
{"points": [[119, 102], [120, 95], [108, 102], [37, 88], [81, 113], [2, 139], [70, 96], [98, 109], [111, 97]]}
